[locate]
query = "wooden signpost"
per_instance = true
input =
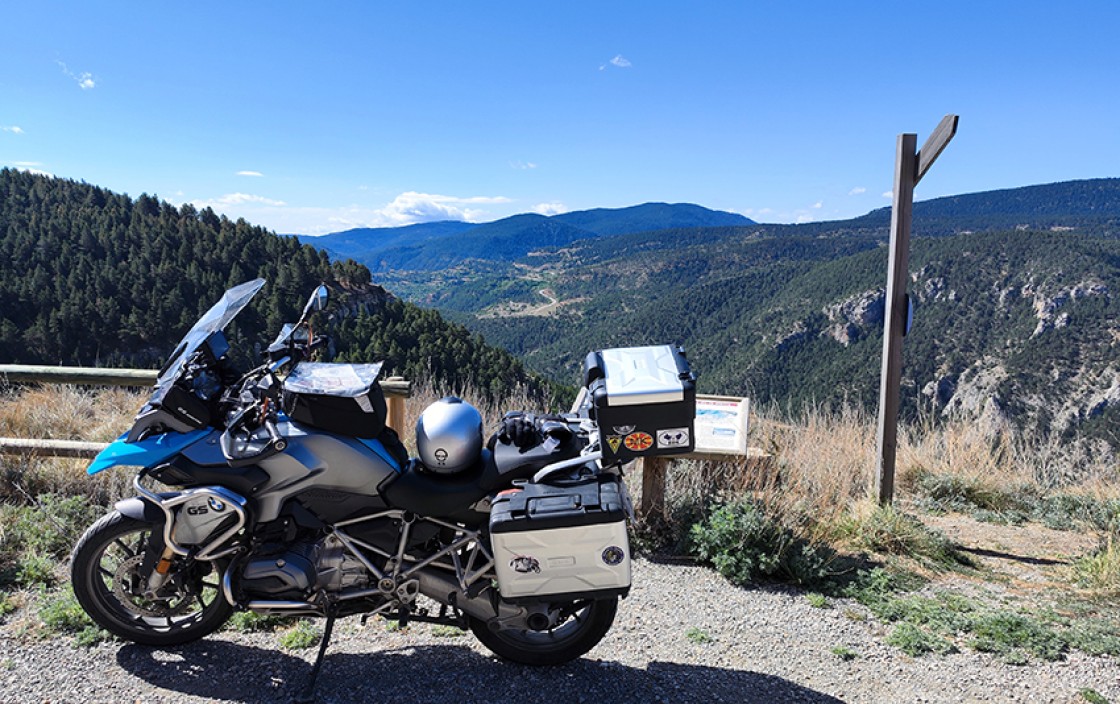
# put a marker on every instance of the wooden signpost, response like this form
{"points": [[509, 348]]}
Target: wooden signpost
{"points": [[910, 166]]}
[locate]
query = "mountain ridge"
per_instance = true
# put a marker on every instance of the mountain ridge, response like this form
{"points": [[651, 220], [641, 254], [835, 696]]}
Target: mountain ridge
{"points": [[431, 246]]}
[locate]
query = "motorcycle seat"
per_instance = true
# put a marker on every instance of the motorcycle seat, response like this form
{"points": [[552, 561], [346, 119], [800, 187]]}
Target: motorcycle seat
{"points": [[429, 494]]}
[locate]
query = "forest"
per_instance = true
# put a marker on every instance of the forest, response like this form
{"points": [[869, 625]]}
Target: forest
{"points": [[92, 277]]}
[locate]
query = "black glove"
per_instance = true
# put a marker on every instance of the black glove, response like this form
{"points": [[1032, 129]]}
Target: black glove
{"points": [[519, 429]]}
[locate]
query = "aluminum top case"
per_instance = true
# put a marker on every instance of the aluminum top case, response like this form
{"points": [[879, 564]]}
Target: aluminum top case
{"points": [[644, 400]]}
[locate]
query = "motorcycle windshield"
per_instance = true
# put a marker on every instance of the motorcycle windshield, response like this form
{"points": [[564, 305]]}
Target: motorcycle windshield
{"points": [[217, 318]]}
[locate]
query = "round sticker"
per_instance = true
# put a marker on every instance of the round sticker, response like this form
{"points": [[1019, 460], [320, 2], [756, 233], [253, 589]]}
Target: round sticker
{"points": [[613, 555], [638, 442]]}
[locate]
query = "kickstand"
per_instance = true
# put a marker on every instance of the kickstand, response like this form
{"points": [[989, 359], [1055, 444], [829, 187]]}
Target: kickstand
{"points": [[308, 694]]}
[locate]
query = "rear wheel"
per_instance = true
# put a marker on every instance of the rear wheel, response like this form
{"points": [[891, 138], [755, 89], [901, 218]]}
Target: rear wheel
{"points": [[109, 584], [579, 626]]}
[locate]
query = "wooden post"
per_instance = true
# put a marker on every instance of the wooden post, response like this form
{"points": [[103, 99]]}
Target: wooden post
{"points": [[653, 486], [395, 403], [910, 166]]}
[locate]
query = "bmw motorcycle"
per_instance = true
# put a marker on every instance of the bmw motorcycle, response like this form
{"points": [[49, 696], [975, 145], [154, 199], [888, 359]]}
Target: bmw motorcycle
{"points": [[283, 491]]}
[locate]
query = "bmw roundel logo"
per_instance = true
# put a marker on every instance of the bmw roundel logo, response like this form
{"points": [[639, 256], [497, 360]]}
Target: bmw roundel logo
{"points": [[216, 505]]}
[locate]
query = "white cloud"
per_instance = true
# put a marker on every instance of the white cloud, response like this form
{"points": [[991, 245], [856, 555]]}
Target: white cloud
{"points": [[818, 205], [14, 129], [619, 61], [406, 209], [84, 79], [888, 194], [30, 167], [549, 208], [522, 165], [411, 207], [235, 199], [857, 190], [249, 173], [803, 218]]}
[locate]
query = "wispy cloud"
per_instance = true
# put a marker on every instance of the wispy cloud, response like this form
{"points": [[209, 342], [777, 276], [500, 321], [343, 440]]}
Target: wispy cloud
{"points": [[888, 194], [406, 209], [857, 191], [84, 79], [31, 167], [249, 173], [549, 208], [619, 61], [522, 165], [14, 129], [818, 205], [237, 199]]}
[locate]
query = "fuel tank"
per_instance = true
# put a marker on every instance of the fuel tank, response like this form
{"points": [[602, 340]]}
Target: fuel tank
{"points": [[337, 473]]}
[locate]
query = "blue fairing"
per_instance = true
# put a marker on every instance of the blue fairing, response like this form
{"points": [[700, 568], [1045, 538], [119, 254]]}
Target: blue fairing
{"points": [[146, 452]]}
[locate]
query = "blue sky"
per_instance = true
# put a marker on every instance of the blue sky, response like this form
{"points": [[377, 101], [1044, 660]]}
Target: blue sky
{"points": [[317, 117]]}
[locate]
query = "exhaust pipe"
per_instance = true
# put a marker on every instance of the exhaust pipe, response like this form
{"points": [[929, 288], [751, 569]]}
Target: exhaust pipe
{"points": [[445, 590]]}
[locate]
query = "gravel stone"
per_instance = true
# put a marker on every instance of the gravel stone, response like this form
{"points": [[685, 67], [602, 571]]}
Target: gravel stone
{"points": [[767, 644]]}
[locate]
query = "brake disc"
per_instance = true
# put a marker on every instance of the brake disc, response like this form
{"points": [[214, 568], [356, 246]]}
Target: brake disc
{"points": [[134, 601]]}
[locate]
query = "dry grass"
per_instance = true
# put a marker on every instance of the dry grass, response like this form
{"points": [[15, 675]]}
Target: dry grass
{"points": [[819, 480], [63, 413], [821, 468]]}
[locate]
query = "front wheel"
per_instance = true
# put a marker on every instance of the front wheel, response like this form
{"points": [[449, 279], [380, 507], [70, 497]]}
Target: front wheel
{"points": [[579, 628], [109, 584]]}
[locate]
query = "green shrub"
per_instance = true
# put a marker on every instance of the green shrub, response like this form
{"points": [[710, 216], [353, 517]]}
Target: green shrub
{"points": [[1100, 570], [746, 545], [1014, 635], [34, 540], [915, 641], [817, 600], [844, 653], [302, 636], [444, 631], [698, 635], [91, 636], [887, 530], [252, 622], [1094, 636], [61, 613], [34, 570], [1092, 696]]}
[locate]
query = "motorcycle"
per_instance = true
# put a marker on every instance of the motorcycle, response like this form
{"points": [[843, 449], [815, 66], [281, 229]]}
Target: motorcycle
{"points": [[285, 492]]}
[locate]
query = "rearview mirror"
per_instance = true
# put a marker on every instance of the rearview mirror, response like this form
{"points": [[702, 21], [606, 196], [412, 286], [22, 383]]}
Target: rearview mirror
{"points": [[318, 300]]}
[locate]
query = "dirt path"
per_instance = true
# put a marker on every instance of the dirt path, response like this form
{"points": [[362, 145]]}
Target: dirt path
{"points": [[683, 635]]}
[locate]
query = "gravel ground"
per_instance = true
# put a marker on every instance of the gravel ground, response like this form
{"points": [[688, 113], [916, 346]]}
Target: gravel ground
{"points": [[767, 645]]}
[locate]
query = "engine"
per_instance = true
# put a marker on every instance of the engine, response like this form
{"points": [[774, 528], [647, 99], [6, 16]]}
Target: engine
{"points": [[277, 571]]}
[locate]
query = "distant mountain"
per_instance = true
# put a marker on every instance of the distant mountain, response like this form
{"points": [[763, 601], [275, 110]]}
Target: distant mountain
{"points": [[1017, 306], [649, 216], [436, 246], [1064, 204], [363, 242]]}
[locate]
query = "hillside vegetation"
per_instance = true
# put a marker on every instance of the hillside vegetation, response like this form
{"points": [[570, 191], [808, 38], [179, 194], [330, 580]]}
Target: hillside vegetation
{"points": [[91, 277], [1014, 291]]}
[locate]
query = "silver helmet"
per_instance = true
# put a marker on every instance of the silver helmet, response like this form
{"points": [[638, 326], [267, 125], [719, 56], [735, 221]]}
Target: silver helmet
{"points": [[449, 435]]}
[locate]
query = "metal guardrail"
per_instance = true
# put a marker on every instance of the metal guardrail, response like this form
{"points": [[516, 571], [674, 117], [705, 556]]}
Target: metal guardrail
{"points": [[396, 390]]}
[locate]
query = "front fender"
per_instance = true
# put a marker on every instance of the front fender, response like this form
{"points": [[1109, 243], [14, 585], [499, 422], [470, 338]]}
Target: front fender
{"points": [[140, 510], [144, 453]]}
